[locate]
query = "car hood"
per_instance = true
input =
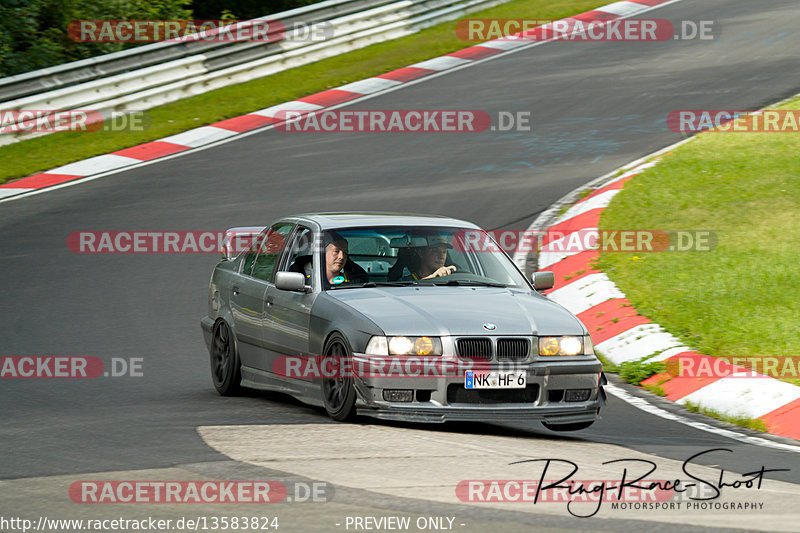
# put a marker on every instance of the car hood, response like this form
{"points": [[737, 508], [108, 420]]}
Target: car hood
{"points": [[459, 311]]}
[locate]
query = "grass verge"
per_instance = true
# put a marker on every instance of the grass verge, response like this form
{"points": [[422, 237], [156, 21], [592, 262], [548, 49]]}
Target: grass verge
{"points": [[752, 423], [741, 298], [634, 372], [36, 155]]}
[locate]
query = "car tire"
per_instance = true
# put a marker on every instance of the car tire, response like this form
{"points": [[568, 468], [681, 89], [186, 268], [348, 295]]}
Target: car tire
{"points": [[338, 392], [577, 426], [226, 371]]}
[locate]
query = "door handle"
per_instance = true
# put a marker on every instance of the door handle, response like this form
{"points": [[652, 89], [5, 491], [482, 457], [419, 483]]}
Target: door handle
{"points": [[235, 290]]}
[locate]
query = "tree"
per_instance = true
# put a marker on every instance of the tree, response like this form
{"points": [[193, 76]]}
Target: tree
{"points": [[245, 9], [33, 33]]}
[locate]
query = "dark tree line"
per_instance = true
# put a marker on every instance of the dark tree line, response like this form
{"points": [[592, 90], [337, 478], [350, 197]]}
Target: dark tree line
{"points": [[33, 33], [244, 9]]}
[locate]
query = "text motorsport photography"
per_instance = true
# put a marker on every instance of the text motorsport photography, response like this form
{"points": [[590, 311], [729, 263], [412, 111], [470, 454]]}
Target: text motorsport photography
{"points": [[635, 488]]}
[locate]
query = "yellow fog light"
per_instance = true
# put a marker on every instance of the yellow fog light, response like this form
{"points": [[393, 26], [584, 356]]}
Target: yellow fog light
{"points": [[423, 346], [548, 346]]}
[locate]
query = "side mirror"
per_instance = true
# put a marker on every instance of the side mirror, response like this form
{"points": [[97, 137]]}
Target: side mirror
{"points": [[291, 281], [543, 280]]}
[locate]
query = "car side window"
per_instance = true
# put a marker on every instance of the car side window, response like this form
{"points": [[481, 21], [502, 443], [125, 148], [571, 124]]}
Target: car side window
{"points": [[250, 256], [300, 252], [270, 250]]}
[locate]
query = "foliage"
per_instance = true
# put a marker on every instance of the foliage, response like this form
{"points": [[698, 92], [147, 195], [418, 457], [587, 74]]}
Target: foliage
{"points": [[635, 372], [751, 423], [244, 9], [33, 33]]}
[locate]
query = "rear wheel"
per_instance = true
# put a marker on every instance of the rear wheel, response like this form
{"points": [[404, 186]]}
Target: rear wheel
{"points": [[338, 392], [568, 427], [226, 372]]}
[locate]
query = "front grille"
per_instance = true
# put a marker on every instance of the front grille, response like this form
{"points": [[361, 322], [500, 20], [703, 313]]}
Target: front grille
{"points": [[456, 393], [474, 348], [512, 349]]}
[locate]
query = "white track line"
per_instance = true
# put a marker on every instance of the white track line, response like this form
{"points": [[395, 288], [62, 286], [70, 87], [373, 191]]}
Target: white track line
{"points": [[646, 406]]}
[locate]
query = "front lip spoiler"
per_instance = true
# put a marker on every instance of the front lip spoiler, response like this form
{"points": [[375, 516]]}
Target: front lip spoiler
{"points": [[438, 415]]}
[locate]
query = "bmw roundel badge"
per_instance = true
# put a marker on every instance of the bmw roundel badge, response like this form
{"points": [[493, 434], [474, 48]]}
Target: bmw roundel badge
{"points": [[489, 326]]}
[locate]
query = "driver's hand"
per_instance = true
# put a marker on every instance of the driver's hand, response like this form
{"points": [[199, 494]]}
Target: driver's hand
{"points": [[442, 271]]}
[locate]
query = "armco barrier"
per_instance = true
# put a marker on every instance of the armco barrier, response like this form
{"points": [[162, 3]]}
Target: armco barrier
{"points": [[159, 73], [67, 74]]}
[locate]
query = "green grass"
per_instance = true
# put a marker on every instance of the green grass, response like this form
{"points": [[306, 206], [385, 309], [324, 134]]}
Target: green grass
{"points": [[752, 423], [656, 389], [36, 155], [634, 372], [608, 366], [742, 298]]}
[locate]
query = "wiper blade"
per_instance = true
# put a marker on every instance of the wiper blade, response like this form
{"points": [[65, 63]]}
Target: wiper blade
{"points": [[371, 284], [388, 283], [455, 282]]}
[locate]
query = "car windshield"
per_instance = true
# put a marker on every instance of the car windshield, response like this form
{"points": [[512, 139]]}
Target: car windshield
{"points": [[398, 256]]}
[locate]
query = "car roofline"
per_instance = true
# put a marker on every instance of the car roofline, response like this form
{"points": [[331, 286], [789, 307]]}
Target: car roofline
{"points": [[345, 220]]}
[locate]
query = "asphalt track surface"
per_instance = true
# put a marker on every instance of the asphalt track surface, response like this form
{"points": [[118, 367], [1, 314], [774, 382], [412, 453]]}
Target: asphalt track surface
{"points": [[595, 106]]}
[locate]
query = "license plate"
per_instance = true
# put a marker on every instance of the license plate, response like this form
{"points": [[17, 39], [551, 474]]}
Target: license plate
{"points": [[495, 380]]}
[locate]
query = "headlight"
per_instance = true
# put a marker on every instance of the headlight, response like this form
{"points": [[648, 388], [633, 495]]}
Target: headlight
{"points": [[561, 345], [377, 346], [588, 346], [404, 346]]}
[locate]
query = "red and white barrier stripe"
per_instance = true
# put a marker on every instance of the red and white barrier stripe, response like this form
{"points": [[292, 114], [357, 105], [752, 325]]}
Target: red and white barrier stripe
{"points": [[620, 334]]}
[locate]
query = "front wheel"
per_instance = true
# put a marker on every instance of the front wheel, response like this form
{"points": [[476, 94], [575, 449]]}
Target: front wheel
{"points": [[226, 372], [338, 392], [577, 426]]}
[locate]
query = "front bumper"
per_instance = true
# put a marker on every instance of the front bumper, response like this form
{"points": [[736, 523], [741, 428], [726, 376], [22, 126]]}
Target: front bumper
{"points": [[444, 398]]}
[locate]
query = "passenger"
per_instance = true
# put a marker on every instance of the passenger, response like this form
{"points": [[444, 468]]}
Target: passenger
{"points": [[432, 258]]}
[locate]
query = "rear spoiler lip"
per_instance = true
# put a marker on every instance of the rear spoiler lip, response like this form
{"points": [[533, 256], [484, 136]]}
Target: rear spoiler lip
{"points": [[243, 235]]}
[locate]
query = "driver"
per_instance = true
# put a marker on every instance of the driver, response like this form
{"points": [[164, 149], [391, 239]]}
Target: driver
{"points": [[432, 257], [338, 270]]}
